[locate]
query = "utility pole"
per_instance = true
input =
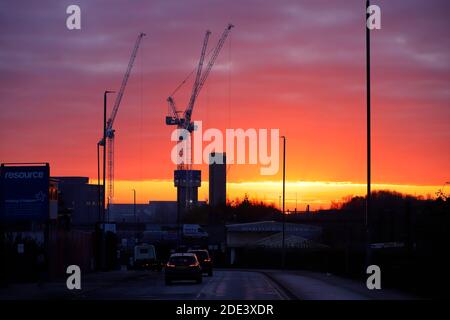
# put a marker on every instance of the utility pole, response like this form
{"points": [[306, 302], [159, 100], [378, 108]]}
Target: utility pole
{"points": [[283, 252], [369, 196]]}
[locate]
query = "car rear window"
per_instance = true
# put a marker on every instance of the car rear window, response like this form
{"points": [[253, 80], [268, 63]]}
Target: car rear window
{"points": [[182, 261], [202, 255], [143, 251]]}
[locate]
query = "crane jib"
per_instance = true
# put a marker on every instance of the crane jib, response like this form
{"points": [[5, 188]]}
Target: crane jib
{"points": [[200, 79], [124, 82]]}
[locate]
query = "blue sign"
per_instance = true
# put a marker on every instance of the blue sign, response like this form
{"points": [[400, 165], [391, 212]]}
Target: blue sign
{"points": [[187, 178], [24, 192]]}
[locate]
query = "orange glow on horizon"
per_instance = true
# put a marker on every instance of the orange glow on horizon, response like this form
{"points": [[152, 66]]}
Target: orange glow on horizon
{"points": [[316, 194]]}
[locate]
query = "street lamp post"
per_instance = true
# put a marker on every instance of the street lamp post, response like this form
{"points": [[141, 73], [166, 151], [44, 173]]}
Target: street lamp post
{"points": [[283, 244], [369, 196], [134, 212], [100, 190]]}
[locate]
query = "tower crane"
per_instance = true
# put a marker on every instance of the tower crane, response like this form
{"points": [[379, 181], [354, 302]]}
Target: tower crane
{"points": [[183, 119], [109, 132], [185, 179]]}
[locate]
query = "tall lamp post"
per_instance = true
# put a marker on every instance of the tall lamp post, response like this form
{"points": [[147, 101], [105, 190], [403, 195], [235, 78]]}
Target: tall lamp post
{"points": [[101, 189], [369, 196], [283, 244]]}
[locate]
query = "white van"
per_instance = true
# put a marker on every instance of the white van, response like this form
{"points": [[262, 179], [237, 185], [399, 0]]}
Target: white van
{"points": [[145, 257], [194, 231]]}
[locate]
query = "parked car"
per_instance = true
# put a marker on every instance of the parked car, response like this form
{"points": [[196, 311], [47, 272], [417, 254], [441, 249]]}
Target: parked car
{"points": [[183, 266], [205, 260]]}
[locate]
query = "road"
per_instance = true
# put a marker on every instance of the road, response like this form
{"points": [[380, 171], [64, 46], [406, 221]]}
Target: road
{"points": [[224, 285]]}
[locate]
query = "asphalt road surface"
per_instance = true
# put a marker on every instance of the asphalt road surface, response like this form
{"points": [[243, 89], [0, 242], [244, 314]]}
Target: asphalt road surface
{"points": [[224, 285]]}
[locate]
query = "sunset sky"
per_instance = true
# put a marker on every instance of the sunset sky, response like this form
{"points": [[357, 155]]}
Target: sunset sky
{"points": [[298, 66]]}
